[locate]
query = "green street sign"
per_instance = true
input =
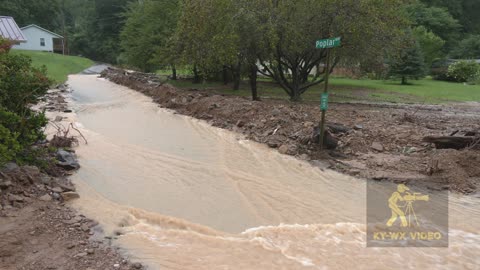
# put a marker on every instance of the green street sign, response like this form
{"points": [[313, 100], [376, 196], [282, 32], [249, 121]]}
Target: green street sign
{"points": [[329, 43], [324, 102]]}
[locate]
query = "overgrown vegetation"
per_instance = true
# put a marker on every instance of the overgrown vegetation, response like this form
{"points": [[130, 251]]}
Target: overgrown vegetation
{"points": [[21, 85], [228, 41]]}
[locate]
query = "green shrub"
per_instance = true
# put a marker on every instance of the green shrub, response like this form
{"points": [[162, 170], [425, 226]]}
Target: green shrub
{"points": [[21, 85], [9, 146], [29, 128], [463, 71]]}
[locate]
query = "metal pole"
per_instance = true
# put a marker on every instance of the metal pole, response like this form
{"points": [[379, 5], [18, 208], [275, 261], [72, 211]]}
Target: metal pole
{"points": [[324, 112]]}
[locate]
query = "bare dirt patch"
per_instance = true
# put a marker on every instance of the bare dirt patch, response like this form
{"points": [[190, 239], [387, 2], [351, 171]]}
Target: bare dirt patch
{"points": [[383, 142]]}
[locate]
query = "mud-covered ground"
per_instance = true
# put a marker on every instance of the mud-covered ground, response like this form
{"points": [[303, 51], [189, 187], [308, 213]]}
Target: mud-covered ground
{"points": [[383, 142], [38, 230]]}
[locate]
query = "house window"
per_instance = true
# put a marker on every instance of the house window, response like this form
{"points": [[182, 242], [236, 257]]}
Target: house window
{"points": [[42, 42]]}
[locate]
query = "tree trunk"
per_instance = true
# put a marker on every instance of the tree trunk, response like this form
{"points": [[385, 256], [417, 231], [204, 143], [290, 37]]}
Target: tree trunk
{"points": [[225, 76], [296, 95], [236, 77], [253, 82], [196, 76], [174, 73], [404, 80]]}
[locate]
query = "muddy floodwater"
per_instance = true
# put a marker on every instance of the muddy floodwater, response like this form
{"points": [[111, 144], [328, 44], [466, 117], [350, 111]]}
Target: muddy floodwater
{"points": [[184, 195]]}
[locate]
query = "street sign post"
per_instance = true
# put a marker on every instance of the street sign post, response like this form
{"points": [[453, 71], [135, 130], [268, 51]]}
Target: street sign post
{"points": [[326, 44]]}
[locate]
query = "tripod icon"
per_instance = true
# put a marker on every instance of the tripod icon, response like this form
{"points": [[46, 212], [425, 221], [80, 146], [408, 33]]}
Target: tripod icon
{"points": [[410, 212], [402, 195]]}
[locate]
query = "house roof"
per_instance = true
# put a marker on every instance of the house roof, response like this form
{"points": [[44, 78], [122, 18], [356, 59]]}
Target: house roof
{"points": [[43, 29], [10, 30]]}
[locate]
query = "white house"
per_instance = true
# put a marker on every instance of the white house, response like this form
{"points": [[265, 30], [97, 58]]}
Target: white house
{"points": [[40, 39]]}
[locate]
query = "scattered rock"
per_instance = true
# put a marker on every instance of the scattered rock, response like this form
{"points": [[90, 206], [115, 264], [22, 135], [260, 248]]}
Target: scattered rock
{"points": [[45, 179], [358, 127], [67, 160], [308, 124], [80, 255], [57, 189], [15, 198], [304, 157], [283, 149], [90, 251], [377, 146], [66, 186], [56, 196], [68, 196], [276, 112], [137, 265], [4, 184], [10, 166], [116, 266], [45, 198], [85, 228]]}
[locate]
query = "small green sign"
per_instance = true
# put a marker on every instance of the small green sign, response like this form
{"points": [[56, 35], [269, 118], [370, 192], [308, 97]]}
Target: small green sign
{"points": [[329, 43], [324, 102]]}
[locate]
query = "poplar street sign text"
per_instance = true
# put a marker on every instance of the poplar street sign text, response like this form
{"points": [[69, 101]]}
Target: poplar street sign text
{"points": [[329, 43]]}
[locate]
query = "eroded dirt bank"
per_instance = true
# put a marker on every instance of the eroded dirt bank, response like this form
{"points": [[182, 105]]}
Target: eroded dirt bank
{"points": [[38, 230], [381, 142]]}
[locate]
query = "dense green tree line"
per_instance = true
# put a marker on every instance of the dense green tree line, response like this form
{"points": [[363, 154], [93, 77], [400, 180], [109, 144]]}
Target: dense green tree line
{"points": [[232, 39]]}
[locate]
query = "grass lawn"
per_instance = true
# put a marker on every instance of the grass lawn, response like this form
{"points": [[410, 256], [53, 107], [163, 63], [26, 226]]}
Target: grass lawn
{"points": [[58, 66], [344, 89]]}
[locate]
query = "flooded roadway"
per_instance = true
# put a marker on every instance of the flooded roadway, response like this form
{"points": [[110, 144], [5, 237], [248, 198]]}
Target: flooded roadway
{"points": [[185, 195]]}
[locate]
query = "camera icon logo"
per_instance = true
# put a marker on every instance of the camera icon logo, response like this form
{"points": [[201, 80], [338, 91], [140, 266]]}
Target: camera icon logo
{"points": [[401, 203]]}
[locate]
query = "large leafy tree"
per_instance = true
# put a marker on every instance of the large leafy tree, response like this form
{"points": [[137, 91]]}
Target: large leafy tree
{"points": [[281, 35], [469, 48], [430, 44], [465, 11], [437, 20], [409, 65], [148, 36], [207, 36], [368, 28], [98, 23]]}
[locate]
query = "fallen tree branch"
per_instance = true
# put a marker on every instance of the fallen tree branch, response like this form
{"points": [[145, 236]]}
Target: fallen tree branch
{"points": [[452, 142], [63, 138]]}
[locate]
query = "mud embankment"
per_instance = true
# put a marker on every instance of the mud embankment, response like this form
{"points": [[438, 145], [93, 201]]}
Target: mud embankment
{"points": [[38, 230], [381, 142]]}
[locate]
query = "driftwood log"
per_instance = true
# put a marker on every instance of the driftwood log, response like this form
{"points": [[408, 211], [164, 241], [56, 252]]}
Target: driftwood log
{"points": [[454, 142]]}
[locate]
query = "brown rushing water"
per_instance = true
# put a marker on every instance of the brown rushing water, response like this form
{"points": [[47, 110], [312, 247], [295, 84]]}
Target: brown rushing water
{"points": [[186, 195]]}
